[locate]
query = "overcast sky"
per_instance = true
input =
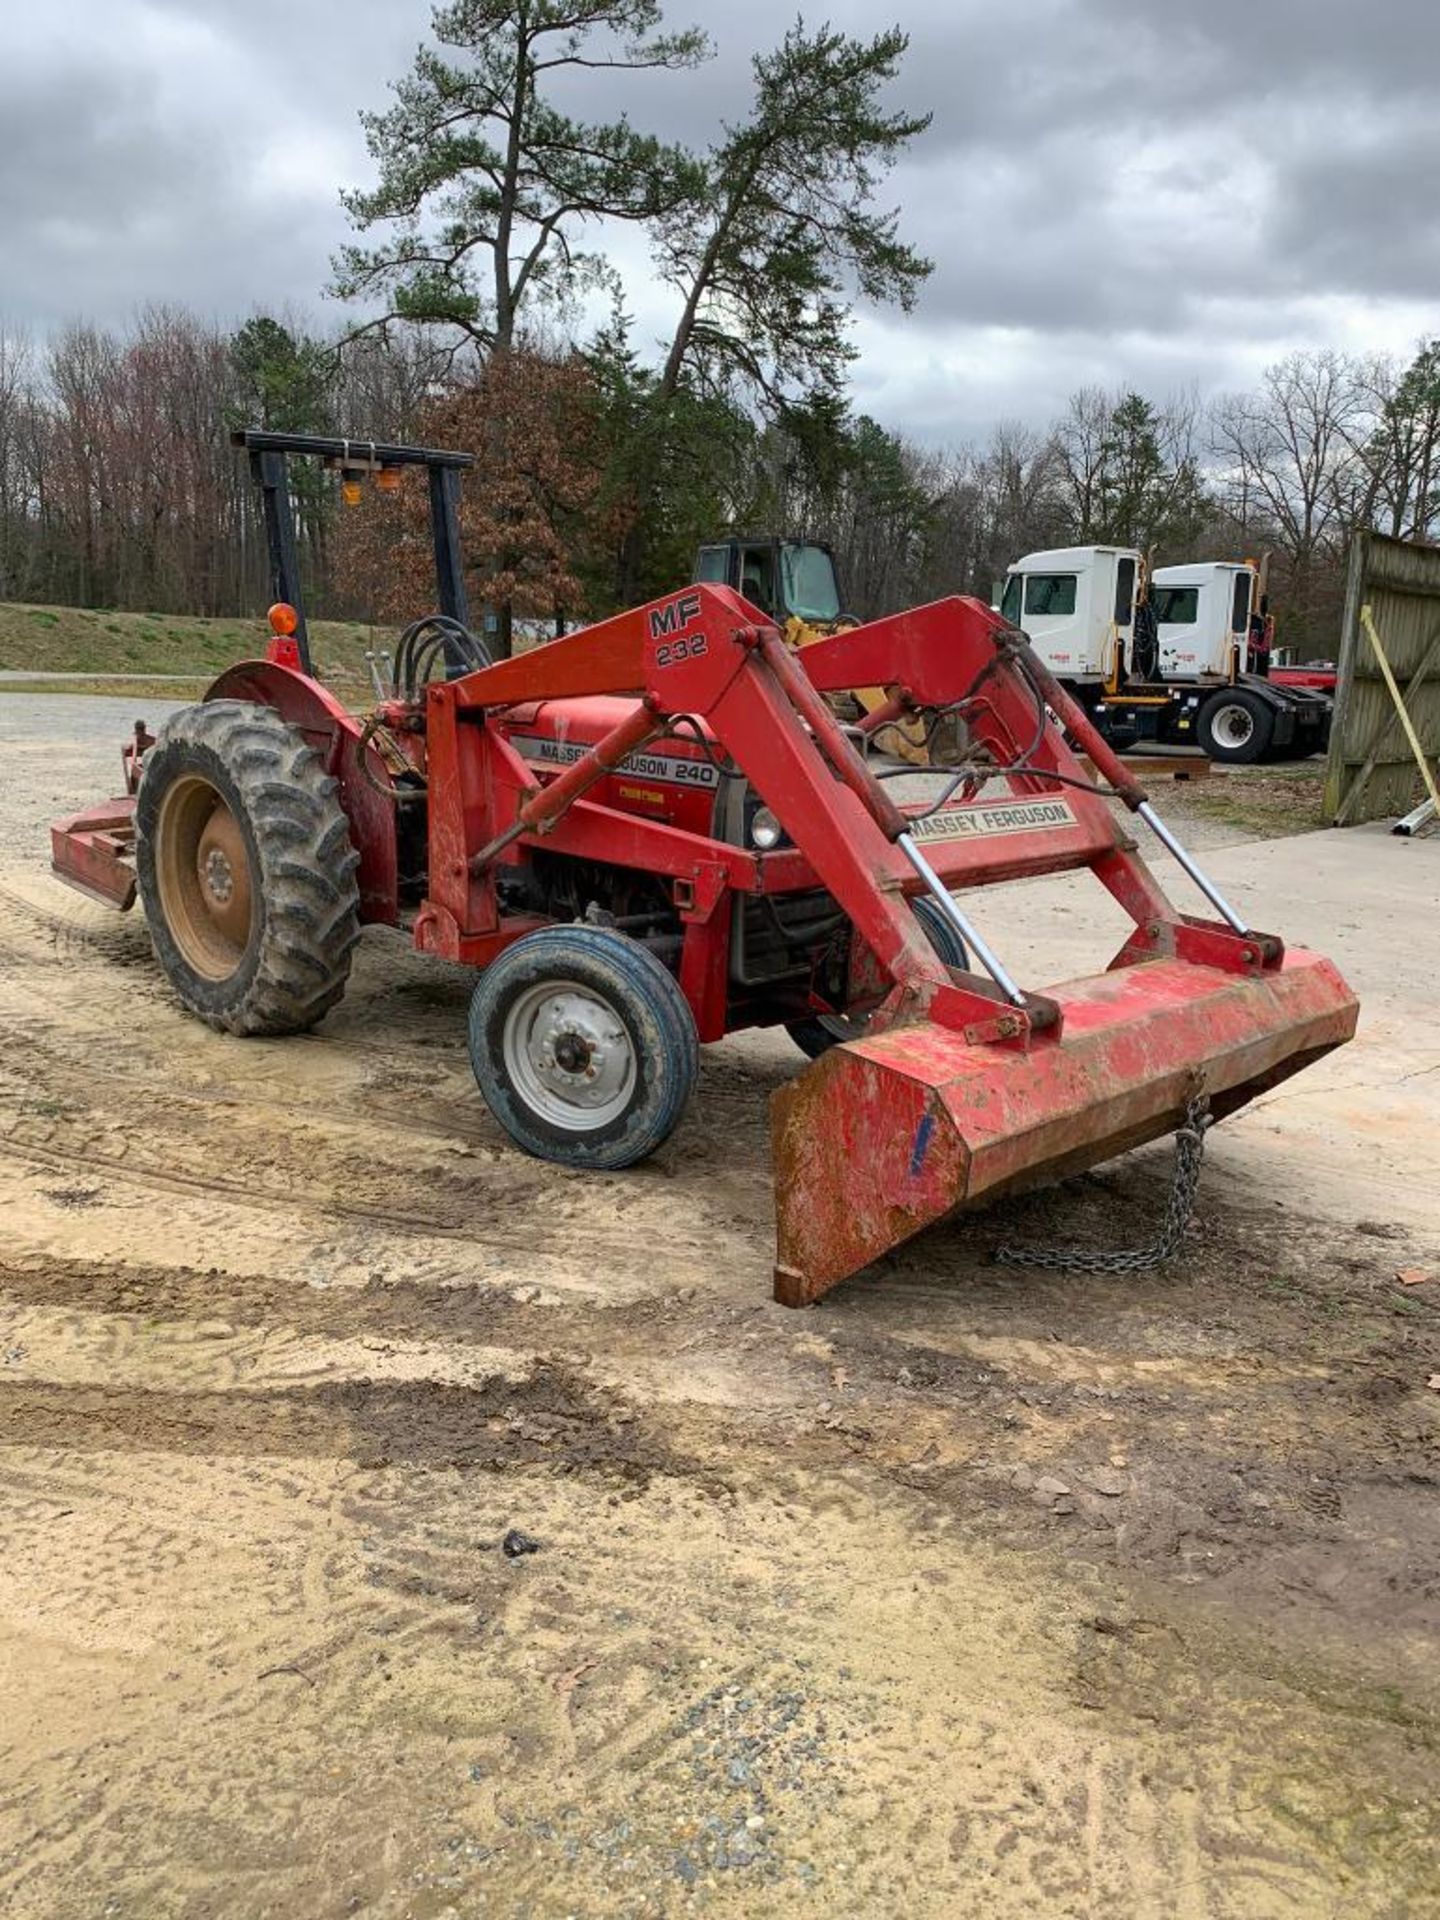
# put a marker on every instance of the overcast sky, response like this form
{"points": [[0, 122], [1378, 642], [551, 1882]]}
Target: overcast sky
{"points": [[1154, 192]]}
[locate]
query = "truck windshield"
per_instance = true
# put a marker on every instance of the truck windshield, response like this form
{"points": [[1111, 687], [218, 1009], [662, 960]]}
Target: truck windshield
{"points": [[807, 582], [1010, 599], [714, 564], [1176, 606], [1050, 592]]}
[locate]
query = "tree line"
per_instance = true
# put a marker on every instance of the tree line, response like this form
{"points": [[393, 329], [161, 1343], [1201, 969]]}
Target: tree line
{"points": [[118, 486], [600, 467]]}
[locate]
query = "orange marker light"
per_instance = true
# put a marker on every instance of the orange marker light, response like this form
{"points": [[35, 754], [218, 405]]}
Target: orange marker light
{"points": [[349, 490], [388, 479], [283, 619]]}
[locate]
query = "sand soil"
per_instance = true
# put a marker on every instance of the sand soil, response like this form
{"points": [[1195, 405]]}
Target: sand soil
{"points": [[970, 1591]]}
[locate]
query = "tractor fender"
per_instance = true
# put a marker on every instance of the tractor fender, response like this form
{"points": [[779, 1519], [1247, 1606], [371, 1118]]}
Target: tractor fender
{"points": [[334, 733]]}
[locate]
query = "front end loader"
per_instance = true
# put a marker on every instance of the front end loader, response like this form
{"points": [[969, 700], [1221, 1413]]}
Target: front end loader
{"points": [[655, 832]]}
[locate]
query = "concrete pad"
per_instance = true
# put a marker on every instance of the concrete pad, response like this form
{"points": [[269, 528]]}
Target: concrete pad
{"points": [[1355, 1136]]}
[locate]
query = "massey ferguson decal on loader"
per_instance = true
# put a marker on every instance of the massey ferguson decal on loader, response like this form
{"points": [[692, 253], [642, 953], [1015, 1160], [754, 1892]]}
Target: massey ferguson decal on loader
{"points": [[783, 886], [973, 821]]}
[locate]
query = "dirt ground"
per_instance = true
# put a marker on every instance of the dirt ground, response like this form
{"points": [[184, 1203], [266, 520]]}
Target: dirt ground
{"points": [[969, 1592]]}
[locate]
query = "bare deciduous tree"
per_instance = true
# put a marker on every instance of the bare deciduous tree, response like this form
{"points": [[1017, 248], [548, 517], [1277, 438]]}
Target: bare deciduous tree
{"points": [[1289, 463]]}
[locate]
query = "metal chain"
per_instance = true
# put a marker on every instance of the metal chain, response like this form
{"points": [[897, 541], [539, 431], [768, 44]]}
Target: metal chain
{"points": [[1189, 1151]]}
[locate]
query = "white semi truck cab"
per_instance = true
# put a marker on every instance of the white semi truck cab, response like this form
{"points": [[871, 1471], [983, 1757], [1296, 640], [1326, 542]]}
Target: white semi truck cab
{"points": [[1202, 613], [1165, 659], [1077, 604]]}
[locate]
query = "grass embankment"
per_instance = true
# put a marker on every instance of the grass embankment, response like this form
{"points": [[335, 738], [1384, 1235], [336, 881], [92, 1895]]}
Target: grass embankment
{"points": [[113, 649]]}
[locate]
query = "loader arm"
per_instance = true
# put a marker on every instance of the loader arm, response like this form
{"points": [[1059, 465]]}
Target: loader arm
{"points": [[704, 655]]}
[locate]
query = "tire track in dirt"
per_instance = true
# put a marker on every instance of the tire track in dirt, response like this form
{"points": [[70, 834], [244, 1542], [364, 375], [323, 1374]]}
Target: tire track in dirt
{"points": [[101, 1565], [684, 1260], [463, 1314], [75, 1322], [336, 1160], [289, 1080], [410, 1619], [273, 1068], [329, 1154], [1025, 1813], [553, 1417]]}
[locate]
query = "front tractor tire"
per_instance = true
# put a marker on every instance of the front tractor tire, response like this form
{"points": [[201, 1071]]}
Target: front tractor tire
{"points": [[583, 1046], [246, 870], [820, 1031]]}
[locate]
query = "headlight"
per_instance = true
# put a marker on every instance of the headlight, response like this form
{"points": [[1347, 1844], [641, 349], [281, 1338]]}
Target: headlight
{"points": [[765, 830]]}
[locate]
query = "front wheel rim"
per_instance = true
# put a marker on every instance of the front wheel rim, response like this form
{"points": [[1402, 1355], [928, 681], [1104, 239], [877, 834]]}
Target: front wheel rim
{"points": [[1234, 726], [569, 1056]]}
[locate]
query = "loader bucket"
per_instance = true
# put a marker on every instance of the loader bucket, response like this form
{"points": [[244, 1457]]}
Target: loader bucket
{"points": [[884, 1135]]}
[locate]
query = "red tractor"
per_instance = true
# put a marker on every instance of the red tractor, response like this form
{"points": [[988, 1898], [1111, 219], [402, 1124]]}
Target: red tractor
{"points": [[655, 832]]}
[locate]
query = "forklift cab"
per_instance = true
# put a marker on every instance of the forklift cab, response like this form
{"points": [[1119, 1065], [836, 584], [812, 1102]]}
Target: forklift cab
{"points": [[786, 579]]}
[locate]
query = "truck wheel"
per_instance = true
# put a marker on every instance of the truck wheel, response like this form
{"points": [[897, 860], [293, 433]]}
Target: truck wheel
{"points": [[1235, 727], [246, 869], [583, 1046], [822, 1031]]}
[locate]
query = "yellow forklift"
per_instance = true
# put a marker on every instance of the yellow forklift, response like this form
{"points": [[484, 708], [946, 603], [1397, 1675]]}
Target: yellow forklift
{"points": [[795, 583]]}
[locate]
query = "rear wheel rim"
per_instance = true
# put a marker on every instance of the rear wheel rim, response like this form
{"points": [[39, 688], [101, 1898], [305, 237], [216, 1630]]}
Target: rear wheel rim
{"points": [[1234, 726], [569, 1055], [205, 879]]}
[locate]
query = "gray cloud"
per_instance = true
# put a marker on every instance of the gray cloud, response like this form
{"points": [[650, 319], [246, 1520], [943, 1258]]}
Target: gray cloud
{"points": [[1136, 190]]}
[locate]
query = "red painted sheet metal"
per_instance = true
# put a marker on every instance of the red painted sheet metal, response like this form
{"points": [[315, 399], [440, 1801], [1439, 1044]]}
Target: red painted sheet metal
{"points": [[673, 780], [95, 851], [883, 1136], [1003, 834], [334, 732], [1322, 679], [995, 836]]}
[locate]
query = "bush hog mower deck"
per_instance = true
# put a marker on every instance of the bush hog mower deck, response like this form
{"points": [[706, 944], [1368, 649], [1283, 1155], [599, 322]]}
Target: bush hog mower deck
{"points": [[655, 832]]}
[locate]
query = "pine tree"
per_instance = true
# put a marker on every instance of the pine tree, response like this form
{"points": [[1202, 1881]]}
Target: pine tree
{"points": [[485, 183], [780, 231]]}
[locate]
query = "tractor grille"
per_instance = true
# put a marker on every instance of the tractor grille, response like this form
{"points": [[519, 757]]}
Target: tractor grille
{"points": [[777, 937]]}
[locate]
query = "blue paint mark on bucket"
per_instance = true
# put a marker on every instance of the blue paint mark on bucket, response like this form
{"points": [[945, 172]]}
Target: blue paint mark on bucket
{"points": [[922, 1144]]}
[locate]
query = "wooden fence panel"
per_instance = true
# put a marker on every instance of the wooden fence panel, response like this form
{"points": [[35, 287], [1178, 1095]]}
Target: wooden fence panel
{"points": [[1399, 580]]}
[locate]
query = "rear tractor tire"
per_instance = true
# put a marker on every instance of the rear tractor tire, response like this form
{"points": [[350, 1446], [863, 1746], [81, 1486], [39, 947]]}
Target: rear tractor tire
{"points": [[246, 870], [1235, 727], [825, 1030], [583, 1046]]}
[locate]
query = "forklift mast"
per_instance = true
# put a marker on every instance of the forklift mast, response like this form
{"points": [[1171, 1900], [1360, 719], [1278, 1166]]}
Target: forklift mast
{"points": [[353, 459]]}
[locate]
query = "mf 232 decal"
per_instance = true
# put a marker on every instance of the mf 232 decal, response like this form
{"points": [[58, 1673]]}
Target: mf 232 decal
{"points": [[673, 618]]}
